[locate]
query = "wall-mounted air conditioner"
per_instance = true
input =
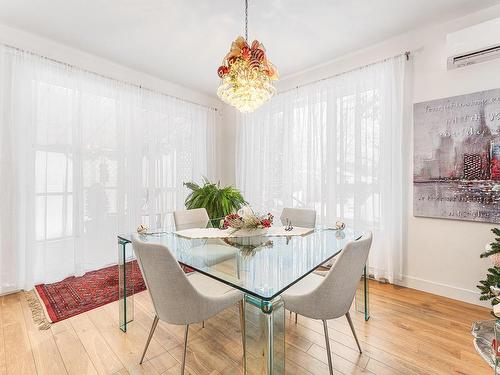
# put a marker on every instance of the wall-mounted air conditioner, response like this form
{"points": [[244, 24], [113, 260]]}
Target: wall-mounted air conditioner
{"points": [[474, 44]]}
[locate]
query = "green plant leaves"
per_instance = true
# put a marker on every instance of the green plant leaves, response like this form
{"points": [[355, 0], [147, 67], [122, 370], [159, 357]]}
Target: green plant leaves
{"points": [[495, 245], [218, 201], [493, 275]]}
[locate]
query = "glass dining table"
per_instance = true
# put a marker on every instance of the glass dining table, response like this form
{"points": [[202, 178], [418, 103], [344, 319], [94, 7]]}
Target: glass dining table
{"points": [[262, 267]]}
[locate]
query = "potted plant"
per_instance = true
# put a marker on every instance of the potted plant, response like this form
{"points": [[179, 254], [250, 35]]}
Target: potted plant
{"points": [[490, 287], [218, 201]]}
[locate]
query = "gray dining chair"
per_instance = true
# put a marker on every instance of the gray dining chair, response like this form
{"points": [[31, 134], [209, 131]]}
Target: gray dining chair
{"points": [[299, 217], [219, 252], [305, 218], [331, 297], [194, 218], [178, 299]]}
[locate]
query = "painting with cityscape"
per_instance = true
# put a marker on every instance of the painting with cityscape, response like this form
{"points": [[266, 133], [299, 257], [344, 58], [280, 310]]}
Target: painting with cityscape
{"points": [[456, 171]]}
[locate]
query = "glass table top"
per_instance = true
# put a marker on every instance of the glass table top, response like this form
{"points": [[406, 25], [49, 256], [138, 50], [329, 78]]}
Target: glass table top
{"points": [[262, 266]]}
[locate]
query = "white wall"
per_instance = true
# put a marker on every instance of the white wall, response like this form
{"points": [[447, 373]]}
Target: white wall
{"points": [[442, 256], [226, 145]]}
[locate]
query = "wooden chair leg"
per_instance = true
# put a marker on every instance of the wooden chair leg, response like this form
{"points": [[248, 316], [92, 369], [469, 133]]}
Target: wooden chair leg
{"points": [[151, 332], [184, 353], [328, 352], [348, 316]]}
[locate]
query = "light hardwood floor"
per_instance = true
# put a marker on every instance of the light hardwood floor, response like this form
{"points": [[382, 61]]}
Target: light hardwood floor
{"points": [[410, 332]]}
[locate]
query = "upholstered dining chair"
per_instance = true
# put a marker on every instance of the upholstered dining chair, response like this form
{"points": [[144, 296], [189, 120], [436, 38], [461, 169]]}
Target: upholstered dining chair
{"points": [[306, 218], [331, 296], [198, 218], [300, 217], [178, 299], [194, 218]]}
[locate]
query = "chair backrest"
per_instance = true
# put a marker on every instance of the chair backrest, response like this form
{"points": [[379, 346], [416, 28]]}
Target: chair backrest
{"points": [[300, 217], [187, 219], [175, 299], [333, 297]]}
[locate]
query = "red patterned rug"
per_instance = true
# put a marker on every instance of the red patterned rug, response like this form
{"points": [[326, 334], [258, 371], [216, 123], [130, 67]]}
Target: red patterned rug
{"points": [[76, 295]]}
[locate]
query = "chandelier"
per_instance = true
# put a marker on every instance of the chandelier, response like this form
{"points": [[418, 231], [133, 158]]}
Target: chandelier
{"points": [[246, 74]]}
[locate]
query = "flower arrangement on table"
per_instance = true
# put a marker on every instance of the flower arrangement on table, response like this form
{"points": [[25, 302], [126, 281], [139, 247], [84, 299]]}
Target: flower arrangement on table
{"points": [[247, 221]]}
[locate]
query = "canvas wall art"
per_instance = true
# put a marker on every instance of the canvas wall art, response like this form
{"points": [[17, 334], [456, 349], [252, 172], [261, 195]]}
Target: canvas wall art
{"points": [[456, 170]]}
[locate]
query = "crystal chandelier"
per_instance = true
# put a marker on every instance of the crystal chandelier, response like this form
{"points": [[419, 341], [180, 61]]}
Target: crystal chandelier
{"points": [[246, 73]]}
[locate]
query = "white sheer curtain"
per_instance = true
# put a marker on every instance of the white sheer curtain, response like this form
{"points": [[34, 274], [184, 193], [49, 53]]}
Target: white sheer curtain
{"points": [[335, 146], [83, 157]]}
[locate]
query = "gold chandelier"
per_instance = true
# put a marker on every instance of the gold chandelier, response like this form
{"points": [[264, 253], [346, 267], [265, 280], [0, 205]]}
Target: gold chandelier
{"points": [[246, 73]]}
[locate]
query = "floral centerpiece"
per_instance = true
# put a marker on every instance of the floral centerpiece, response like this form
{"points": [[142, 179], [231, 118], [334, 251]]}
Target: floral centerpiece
{"points": [[247, 223]]}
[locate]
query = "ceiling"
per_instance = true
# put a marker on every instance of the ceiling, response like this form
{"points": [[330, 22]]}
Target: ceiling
{"points": [[184, 41]]}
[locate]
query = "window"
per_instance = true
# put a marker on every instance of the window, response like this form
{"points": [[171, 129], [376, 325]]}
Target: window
{"points": [[89, 157]]}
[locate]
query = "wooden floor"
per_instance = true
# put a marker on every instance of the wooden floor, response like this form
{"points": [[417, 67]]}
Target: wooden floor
{"points": [[410, 332]]}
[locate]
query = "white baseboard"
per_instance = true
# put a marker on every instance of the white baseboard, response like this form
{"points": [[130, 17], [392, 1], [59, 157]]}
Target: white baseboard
{"points": [[10, 292], [445, 290]]}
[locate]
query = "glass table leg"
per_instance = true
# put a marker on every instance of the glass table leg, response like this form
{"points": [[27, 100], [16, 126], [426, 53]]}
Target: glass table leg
{"points": [[362, 300], [125, 286], [264, 336]]}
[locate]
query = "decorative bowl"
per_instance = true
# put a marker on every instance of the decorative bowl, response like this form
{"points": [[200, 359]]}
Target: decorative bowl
{"points": [[250, 232]]}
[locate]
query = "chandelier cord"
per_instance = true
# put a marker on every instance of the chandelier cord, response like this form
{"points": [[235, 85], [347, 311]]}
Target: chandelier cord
{"points": [[246, 20]]}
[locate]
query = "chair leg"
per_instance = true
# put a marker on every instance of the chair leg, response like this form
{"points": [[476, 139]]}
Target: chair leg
{"points": [[242, 325], [295, 318], [184, 353], [203, 324], [348, 316], [328, 352], [151, 332]]}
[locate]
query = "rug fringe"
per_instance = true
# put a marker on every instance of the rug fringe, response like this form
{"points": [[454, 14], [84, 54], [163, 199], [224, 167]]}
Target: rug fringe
{"points": [[37, 310]]}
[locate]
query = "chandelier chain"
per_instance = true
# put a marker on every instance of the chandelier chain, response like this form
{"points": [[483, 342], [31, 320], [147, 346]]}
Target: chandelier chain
{"points": [[246, 20]]}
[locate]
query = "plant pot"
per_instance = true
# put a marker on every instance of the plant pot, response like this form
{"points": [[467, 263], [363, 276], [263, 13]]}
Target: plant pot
{"points": [[215, 223]]}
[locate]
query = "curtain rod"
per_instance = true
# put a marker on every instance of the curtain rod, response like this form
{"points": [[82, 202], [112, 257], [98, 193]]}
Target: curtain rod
{"points": [[106, 77], [406, 53]]}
